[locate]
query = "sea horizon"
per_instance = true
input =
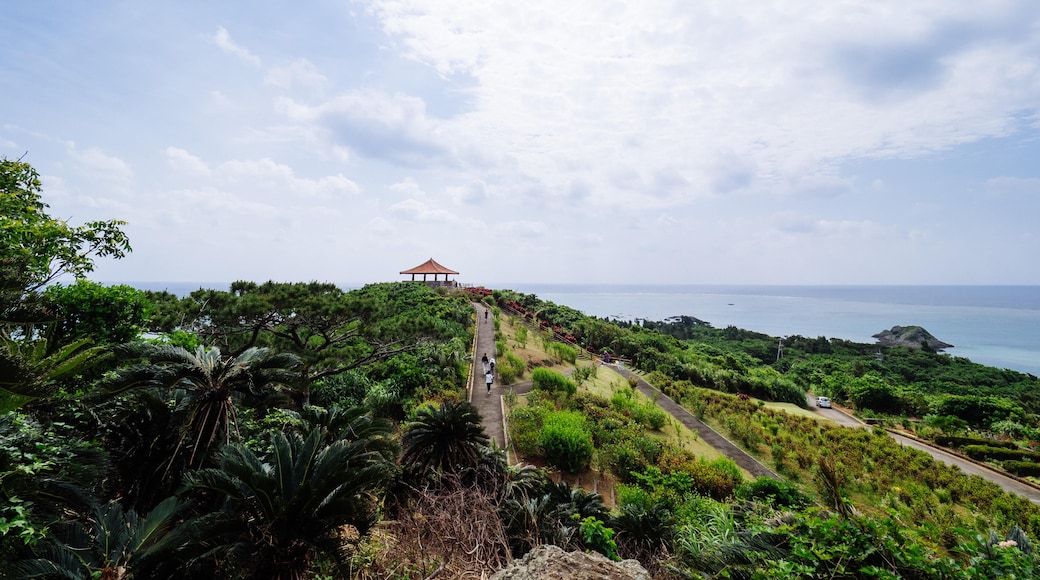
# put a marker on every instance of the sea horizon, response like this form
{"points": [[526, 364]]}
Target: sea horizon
{"points": [[994, 325]]}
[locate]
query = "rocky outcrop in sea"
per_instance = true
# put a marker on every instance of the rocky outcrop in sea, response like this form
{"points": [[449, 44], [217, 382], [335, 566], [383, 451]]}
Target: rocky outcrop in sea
{"points": [[910, 336]]}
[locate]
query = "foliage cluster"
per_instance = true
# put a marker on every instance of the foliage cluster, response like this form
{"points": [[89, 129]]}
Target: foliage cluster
{"points": [[618, 435], [566, 440], [878, 472], [549, 380], [257, 439], [511, 368]]}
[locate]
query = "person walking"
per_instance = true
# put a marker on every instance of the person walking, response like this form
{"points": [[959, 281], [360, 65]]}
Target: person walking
{"points": [[489, 378], [484, 362], [485, 315], [491, 363]]}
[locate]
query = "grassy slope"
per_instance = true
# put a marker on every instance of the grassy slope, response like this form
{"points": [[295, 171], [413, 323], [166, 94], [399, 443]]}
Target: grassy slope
{"points": [[605, 383]]}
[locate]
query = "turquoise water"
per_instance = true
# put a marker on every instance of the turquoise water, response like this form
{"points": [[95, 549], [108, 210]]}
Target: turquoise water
{"points": [[993, 325]]}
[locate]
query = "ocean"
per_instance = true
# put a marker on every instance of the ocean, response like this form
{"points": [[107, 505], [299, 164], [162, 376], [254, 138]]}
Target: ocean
{"points": [[997, 326]]}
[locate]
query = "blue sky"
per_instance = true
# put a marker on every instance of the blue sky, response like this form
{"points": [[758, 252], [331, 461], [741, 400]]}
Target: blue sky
{"points": [[744, 142]]}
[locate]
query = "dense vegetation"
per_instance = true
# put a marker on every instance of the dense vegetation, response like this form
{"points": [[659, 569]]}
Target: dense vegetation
{"points": [[296, 430], [875, 380]]}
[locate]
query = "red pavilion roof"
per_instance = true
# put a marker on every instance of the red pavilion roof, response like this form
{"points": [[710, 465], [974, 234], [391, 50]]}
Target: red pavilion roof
{"points": [[430, 267]]}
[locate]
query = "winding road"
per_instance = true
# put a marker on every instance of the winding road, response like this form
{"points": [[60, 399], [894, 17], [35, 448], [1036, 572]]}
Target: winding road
{"points": [[966, 465], [490, 408]]}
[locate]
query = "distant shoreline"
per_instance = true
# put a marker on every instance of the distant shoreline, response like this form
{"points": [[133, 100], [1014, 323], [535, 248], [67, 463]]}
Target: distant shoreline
{"points": [[1025, 297], [997, 325]]}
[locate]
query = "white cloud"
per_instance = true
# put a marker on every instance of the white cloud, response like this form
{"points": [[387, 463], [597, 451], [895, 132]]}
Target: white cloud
{"points": [[221, 101], [390, 127], [280, 177], [657, 101], [848, 228], [525, 229], [301, 71], [380, 227], [222, 38], [473, 193], [573, 141], [408, 188], [415, 210], [184, 161], [100, 165]]}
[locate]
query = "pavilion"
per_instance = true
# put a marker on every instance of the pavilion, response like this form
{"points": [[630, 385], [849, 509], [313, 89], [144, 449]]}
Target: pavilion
{"points": [[432, 267]]}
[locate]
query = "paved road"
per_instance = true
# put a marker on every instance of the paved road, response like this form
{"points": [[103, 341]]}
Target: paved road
{"points": [[839, 417], [1009, 484], [704, 432], [490, 407]]}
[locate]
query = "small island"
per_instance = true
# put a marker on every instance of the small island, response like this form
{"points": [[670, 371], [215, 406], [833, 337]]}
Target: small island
{"points": [[910, 336]]}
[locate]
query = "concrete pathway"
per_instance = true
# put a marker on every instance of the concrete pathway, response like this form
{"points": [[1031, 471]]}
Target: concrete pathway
{"points": [[490, 406], [491, 410]]}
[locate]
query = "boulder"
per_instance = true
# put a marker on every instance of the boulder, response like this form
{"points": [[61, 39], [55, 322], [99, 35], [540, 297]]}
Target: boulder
{"points": [[910, 336], [551, 562]]}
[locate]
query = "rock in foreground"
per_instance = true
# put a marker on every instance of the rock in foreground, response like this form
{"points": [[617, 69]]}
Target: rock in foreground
{"points": [[910, 336], [551, 562]]}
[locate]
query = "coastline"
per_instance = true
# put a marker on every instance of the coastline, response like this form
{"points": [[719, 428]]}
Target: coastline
{"points": [[997, 325]]}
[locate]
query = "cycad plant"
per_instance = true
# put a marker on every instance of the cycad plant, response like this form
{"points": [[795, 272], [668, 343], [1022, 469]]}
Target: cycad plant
{"points": [[32, 369], [278, 513], [205, 386], [110, 545], [444, 438], [644, 531]]}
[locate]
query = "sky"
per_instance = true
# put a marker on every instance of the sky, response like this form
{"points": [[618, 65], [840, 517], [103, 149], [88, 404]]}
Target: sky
{"points": [[739, 142]]}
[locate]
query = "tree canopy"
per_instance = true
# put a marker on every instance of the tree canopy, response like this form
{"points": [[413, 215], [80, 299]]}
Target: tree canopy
{"points": [[331, 330], [38, 248], [35, 250]]}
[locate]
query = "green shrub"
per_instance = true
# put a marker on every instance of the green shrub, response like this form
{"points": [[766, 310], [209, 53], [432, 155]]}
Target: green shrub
{"points": [[511, 368], [1022, 468], [506, 375], [990, 453], [696, 476], [566, 440], [654, 416], [612, 429], [623, 461], [960, 441], [1015, 429], [778, 493], [521, 336], [946, 423], [564, 352], [582, 374], [599, 537], [623, 401], [548, 380], [525, 425]]}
